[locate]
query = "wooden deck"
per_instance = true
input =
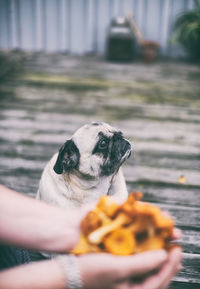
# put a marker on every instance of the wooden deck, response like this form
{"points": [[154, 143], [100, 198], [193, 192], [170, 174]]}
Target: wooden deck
{"points": [[156, 106]]}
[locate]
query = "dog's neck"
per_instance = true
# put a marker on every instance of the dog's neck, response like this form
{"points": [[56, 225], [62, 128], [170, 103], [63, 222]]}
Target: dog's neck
{"points": [[80, 183], [84, 189]]}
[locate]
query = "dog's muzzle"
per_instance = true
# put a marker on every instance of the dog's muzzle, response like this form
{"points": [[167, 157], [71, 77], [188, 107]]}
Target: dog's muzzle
{"points": [[125, 148]]}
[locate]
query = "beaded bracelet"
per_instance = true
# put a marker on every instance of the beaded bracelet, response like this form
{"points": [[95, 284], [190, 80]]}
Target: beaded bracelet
{"points": [[71, 271]]}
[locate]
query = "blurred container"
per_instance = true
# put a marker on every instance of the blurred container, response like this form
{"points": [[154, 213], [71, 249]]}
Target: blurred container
{"points": [[120, 43], [149, 50]]}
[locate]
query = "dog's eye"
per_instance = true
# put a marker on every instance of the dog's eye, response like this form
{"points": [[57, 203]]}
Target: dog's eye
{"points": [[103, 144]]}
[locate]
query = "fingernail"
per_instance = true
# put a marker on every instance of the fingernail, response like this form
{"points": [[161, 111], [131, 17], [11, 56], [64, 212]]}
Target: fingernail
{"points": [[177, 253], [178, 232], [177, 250], [180, 267]]}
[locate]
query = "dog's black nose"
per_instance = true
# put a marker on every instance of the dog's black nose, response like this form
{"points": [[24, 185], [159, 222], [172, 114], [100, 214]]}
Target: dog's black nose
{"points": [[125, 146]]}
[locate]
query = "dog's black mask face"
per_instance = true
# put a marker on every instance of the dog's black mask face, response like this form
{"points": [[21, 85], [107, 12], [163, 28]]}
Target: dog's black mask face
{"points": [[94, 150], [68, 158], [115, 150]]}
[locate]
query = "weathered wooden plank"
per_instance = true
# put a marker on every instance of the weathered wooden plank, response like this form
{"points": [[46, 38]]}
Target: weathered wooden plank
{"points": [[20, 182], [168, 193], [28, 150], [150, 132], [175, 160], [190, 241], [161, 174], [184, 285], [190, 271], [17, 163], [185, 216]]}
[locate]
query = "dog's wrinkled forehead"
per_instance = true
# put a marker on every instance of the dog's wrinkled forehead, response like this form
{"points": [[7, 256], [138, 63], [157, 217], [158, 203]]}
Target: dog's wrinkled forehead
{"points": [[88, 135]]}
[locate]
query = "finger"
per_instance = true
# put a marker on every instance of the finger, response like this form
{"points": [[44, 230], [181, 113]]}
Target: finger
{"points": [[162, 279], [176, 234], [140, 264], [172, 267], [166, 214], [123, 285]]}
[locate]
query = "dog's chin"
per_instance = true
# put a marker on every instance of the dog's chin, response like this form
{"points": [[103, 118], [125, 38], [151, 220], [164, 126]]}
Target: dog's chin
{"points": [[85, 176]]}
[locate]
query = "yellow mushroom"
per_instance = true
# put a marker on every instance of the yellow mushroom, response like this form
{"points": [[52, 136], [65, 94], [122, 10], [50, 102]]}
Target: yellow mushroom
{"points": [[151, 243], [83, 247], [132, 227], [107, 206], [97, 236], [120, 242]]}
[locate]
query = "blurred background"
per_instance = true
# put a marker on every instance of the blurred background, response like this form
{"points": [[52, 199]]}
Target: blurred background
{"points": [[131, 63], [81, 26]]}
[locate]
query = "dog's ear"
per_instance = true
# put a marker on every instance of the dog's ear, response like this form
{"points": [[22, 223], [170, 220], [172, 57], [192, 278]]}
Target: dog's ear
{"points": [[68, 158]]}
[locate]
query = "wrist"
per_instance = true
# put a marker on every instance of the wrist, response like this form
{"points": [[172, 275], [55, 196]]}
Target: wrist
{"points": [[70, 270]]}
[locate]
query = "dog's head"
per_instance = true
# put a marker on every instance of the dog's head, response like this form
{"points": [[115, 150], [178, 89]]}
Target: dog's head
{"points": [[95, 150]]}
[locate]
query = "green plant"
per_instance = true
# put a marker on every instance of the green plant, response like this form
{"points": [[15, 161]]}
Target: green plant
{"points": [[187, 31]]}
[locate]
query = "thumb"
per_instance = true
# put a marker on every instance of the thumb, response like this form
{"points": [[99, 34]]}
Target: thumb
{"points": [[142, 263]]}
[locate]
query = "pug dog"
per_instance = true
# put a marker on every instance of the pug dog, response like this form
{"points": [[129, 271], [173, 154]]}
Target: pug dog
{"points": [[87, 166]]}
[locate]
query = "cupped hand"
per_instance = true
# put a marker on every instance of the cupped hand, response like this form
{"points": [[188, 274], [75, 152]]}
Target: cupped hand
{"points": [[162, 278], [153, 269]]}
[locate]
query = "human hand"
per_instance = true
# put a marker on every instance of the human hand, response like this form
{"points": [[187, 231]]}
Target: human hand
{"points": [[70, 226], [33, 224], [149, 270]]}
